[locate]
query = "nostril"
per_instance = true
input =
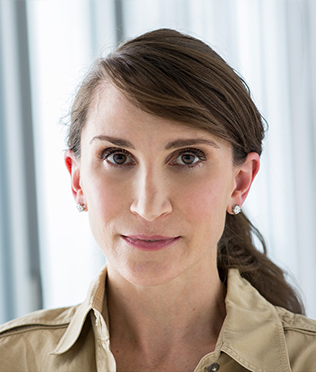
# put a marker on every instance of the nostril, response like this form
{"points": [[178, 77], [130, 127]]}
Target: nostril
{"points": [[151, 210]]}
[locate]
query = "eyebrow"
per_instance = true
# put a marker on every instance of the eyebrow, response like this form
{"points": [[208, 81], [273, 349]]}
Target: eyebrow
{"points": [[116, 141], [171, 145], [189, 142]]}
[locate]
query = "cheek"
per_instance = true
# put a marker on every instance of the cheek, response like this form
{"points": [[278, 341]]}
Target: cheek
{"points": [[209, 194], [204, 204], [106, 198]]}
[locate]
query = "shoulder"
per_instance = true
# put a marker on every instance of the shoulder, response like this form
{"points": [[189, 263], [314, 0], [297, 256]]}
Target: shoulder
{"points": [[32, 337], [296, 322], [300, 337], [287, 340]]}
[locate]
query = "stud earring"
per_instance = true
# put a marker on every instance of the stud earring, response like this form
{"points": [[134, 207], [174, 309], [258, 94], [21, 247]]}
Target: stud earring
{"points": [[236, 209], [81, 207]]}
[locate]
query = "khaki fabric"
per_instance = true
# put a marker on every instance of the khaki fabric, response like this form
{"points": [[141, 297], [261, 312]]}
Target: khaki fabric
{"points": [[255, 336]]}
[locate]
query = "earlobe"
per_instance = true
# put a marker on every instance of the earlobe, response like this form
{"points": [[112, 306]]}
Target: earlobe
{"points": [[244, 177], [73, 166]]}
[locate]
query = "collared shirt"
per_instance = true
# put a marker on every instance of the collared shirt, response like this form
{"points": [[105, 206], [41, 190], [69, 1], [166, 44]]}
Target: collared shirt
{"points": [[255, 336]]}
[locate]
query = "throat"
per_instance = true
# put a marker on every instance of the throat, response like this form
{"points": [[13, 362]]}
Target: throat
{"points": [[182, 356], [155, 326], [167, 325]]}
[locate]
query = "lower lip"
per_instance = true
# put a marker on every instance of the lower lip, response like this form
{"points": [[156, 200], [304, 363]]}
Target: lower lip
{"points": [[146, 245]]}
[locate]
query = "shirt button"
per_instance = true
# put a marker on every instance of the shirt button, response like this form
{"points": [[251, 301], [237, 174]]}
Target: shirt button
{"points": [[213, 367]]}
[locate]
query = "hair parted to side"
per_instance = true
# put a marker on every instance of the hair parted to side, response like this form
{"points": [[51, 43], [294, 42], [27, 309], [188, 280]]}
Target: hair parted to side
{"points": [[177, 77]]}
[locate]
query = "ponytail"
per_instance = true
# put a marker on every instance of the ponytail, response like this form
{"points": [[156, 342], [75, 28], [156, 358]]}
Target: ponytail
{"points": [[236, 250]]}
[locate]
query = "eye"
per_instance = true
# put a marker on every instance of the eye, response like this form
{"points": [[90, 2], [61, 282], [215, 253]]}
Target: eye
{"points": [[189, 157], [117, 157]]}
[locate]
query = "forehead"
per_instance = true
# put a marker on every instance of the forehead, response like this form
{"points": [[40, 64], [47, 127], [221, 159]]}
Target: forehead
{"points": [[111, 113], [110, 106]]}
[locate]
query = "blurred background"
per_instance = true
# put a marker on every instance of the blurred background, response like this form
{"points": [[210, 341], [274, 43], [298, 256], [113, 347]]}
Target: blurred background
{"points": [[47, 254]]}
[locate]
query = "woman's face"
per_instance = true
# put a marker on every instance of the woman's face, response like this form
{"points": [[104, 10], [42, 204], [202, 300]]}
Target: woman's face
{"points": [[157, 192]]}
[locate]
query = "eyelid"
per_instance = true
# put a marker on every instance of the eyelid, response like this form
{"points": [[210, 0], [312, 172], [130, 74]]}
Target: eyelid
{"points": [[195, 151], [192, 150]]}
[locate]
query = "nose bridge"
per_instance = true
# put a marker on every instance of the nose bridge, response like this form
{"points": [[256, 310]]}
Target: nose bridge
{"points": [[151, 194]]}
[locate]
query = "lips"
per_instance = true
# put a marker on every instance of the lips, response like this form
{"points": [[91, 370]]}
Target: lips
{"points": [[150, 243]]}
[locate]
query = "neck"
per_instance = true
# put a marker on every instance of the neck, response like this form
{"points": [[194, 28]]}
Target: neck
{"points": [[190, 307]]}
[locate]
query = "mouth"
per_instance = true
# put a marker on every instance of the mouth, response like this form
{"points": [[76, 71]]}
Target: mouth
{"points": [[149, 243]]}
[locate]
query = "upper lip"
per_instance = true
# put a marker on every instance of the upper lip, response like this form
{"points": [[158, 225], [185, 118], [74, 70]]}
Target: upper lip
{"points": [[149, 237]]}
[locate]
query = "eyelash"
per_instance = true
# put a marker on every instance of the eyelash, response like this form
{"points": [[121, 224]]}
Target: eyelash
{"points": [[196, 152], [191, 150], [115, 150]]}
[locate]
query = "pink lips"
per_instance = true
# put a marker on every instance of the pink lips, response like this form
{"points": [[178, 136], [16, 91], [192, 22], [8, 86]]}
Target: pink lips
{"points": [[149, 243]]}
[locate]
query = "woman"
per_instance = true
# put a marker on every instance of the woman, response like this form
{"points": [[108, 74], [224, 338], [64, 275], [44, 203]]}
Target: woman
{"points": [[164, 144]]}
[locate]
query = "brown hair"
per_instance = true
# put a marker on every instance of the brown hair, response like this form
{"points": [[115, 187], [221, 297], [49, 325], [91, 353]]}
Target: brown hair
{"points": [[175, 76]]}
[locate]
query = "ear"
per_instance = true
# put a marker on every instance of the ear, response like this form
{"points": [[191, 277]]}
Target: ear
{"points": [[73, 166], [244, 177]]}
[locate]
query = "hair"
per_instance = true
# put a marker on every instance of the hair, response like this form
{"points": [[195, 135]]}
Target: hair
{"points": [[180, 78]]}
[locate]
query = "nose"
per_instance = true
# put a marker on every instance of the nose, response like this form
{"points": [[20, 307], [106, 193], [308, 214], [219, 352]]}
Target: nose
{"points": [[151, 199]]}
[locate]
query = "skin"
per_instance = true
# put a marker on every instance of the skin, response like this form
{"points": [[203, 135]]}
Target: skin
{"points": [[166, 306]]}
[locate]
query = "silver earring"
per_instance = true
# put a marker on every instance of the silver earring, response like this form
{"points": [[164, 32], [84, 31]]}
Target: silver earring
{"points": [[81, 207], [236, 209]]}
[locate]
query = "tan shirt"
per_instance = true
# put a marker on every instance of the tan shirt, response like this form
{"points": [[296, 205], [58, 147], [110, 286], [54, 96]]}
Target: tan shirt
{"points": [[255, 336]]}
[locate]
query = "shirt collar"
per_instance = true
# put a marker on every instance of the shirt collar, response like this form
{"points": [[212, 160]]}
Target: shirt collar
{"points": [[252, 333], [94, 301]]}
